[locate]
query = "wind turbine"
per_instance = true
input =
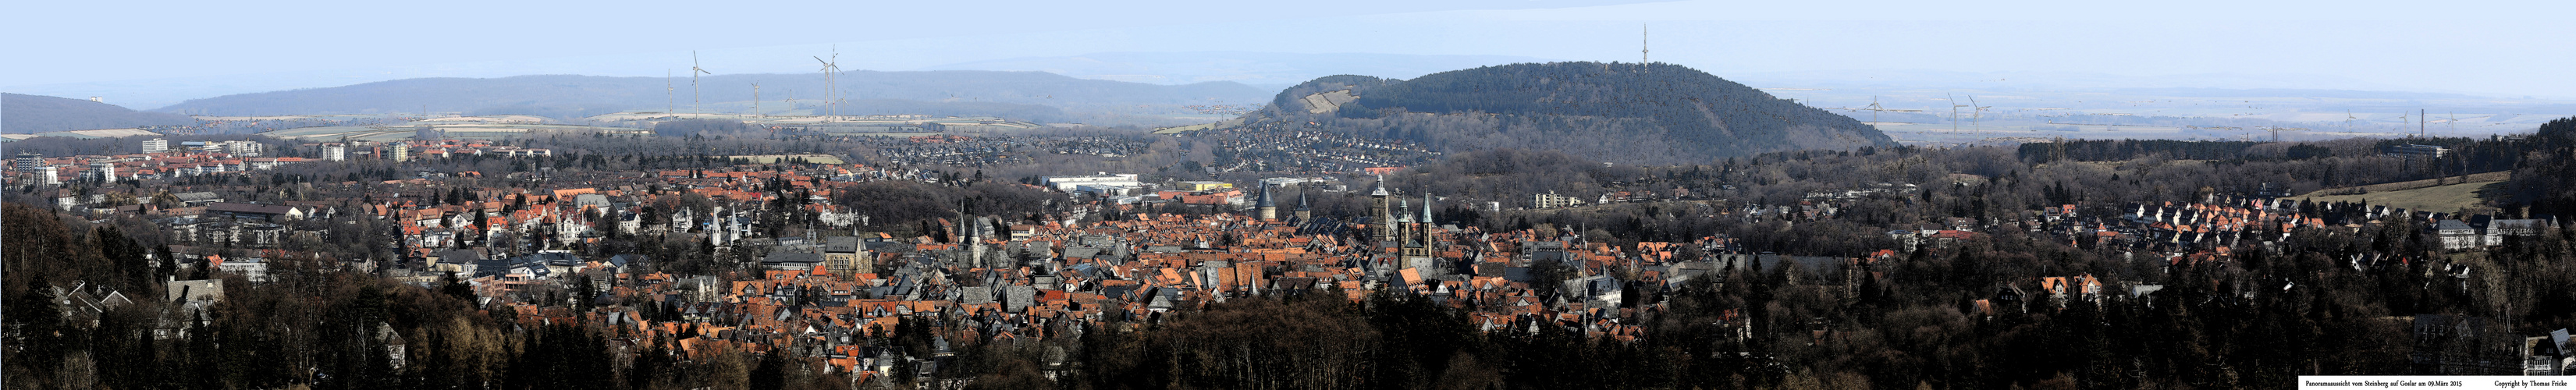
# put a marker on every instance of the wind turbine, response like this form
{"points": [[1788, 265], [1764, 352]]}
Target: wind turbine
{"points": [[669, 103], [1874, 108], [830, 84], [1954, 113], [755, 97], [694, 70], [1979, 115]]}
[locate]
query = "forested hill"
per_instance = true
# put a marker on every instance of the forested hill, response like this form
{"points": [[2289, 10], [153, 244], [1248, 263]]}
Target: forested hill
{"points": [[1010, 94], [1660, 113], [36, 114]]}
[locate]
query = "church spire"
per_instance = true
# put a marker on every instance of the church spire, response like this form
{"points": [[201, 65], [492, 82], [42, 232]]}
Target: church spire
{"points": [[1403, 211], [1426, 207]]}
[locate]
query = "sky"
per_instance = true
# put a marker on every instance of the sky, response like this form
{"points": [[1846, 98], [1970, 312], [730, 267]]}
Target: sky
{"points": [[147, 54]]}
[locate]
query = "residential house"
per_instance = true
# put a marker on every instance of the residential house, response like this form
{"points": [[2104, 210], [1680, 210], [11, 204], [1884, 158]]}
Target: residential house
{"points": [[2457, 235]]}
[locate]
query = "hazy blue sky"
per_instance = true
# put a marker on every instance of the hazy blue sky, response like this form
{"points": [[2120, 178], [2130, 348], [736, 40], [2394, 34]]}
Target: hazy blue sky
{"points": [[2496, 48]]}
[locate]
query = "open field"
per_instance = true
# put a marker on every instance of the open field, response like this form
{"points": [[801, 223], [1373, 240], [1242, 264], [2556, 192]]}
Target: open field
{"points": [[493, 127], [2443, 198], [1183, 129], [2408, 185], [291, 117]]}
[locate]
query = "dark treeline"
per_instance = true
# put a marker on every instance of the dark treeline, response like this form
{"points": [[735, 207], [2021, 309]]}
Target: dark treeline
{"points": [[693, 127], [903, 203], [2124, 150], [2464, 155], [1981, 182], [1026, 112], [1512, 176], [2545, 177]]}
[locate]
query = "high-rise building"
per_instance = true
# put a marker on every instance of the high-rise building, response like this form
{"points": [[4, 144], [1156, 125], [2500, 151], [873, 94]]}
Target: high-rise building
{"points": [[335, 152], [246, 148], [104, 172], [401, 152], [28, 162], [48, 175], [1551, 200], [156, 145]]}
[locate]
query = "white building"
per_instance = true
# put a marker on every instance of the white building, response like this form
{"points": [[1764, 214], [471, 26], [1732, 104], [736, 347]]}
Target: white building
{"points": [[335, 152], [104, 172], [1551, 200], [156, 145], [1285, 182], [252, 268], [1109, 190], [49, 175], [1068, 183], [245, 148]]}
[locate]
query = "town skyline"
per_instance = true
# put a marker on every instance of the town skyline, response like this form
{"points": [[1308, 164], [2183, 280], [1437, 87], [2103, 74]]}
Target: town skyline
{"points": [[1333, 194]]}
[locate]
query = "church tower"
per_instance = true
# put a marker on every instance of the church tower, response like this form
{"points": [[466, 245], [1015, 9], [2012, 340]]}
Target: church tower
{"points": [[1268, 208], [1417, 236], [1379, 218], [1403, 220], [1304, 212]]}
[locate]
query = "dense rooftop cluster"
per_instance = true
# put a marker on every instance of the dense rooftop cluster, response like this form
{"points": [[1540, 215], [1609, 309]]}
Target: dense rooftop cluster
{"points": [[597, 268], [987, 151], [1300, 147]]}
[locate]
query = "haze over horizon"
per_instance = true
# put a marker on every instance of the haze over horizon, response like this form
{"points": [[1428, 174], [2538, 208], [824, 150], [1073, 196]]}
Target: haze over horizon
{"points": [[2500, 50]]}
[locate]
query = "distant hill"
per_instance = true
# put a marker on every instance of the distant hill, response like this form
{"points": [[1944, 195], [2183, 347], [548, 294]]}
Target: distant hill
{"points": [[1273, 70], [565, 96], [1612, 112], [21, 114]]}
